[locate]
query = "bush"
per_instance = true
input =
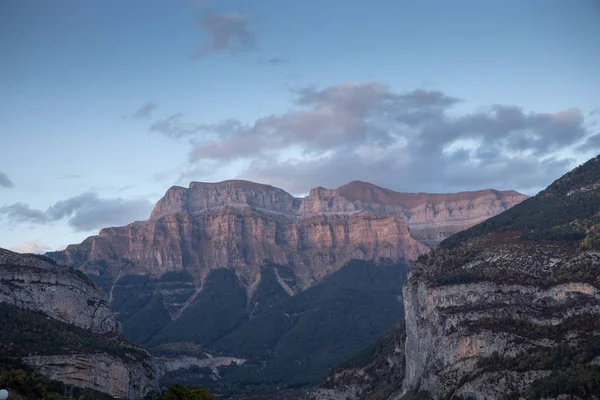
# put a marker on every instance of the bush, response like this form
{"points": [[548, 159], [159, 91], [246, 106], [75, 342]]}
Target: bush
{"points": [[180, 392]]}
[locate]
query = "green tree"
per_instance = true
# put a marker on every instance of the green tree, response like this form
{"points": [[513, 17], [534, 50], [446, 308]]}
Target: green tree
{"points": [[180, 392]]}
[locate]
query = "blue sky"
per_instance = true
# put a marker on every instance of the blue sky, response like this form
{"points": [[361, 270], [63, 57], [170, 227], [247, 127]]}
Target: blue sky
{"points": [[105, 105]]}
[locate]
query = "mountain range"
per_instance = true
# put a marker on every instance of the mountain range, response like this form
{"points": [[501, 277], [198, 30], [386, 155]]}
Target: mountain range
{"points": [[246, 289], [508, 309], [247, 272]]}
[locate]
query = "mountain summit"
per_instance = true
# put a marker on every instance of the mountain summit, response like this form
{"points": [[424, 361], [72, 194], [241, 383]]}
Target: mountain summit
{"points": [[268, 277], [241, 225]]}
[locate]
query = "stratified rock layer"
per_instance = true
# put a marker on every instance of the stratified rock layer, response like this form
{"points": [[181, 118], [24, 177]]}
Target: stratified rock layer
{"points": [[38, 284], [241, 225], [102, 372], [493, 298], [30, 282]]}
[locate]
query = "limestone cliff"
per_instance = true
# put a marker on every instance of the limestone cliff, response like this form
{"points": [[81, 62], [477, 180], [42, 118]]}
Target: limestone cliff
{"points": [[511, 307], [38, 283], [241, 225], [58, 322], [133, 379]]}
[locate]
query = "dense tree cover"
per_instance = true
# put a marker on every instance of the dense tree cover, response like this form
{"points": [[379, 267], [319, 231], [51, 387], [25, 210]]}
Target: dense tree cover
{"points": [[219, 308], [181, 392], [377, 350], [295, 341], [27, 332], [305, 336], [568, 210], [578, 380], [373, 362], [572, 373]]}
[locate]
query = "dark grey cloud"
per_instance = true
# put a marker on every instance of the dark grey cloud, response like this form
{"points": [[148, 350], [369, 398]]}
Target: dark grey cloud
{"points": [[21, 212], [145, 111], [228, 32], [408, 141], [5, 181], [85, 212]]}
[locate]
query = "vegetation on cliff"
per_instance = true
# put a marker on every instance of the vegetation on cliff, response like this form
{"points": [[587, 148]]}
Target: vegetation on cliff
{"points": [[181, 392], [292, 341], [567, 210], [26, 332], [378, 369], [25, 384]]}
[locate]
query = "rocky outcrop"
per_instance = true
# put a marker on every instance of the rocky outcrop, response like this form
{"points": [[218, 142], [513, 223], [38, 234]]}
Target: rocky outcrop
{"points": [[511, 307], [174, 366], [102, 372], [94, 356], [454, 328], [38, 283], [432, 217], [241, 225]]}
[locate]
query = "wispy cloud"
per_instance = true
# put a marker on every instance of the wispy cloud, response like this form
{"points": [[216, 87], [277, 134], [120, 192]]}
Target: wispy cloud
{"points": [[274, 61], [85, 212], [145, 111], [5, 181], [412, 139], [227, 32], [174, 127]]}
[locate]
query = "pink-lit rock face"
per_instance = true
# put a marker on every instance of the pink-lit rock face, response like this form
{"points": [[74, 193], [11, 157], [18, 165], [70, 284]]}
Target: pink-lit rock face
{"points": [[241, 225]]}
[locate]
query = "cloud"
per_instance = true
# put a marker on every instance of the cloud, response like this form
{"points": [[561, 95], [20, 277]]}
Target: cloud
{"points": [[410, 141], [274, 61], [5, 181], [85, 212], [174, 127], [592, 143], [145, 111], [228, 32], [35, 246]]}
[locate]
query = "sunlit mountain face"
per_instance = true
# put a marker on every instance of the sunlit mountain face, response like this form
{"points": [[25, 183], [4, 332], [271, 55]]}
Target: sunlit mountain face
{"points": [[286, 200]]}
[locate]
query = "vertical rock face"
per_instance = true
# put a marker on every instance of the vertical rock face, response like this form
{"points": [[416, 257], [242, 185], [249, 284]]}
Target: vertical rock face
{"points": [[38, 284], [164, 275], [512, 306], [35, 283], [241, 225], [202, 197], [462, 337], [102, 372]]}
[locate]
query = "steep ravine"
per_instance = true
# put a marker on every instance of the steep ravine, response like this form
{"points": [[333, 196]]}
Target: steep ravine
{"points": [[508, 309]]}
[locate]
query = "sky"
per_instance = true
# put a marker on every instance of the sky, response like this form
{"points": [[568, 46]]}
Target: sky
{"points": [[106, 104]]}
